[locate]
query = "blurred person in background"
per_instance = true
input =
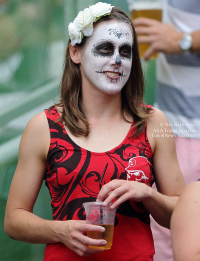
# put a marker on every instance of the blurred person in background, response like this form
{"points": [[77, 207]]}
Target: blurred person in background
{"points": [[98, 142], [185, 225], [178, 89]]}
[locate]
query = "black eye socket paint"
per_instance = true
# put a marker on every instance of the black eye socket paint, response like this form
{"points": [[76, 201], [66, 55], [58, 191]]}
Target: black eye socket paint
{"points": [[103, 49], [125, 51], [107, 49]]}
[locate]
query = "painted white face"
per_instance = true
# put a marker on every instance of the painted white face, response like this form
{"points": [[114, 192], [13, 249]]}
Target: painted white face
{"points": [[107, 56]]}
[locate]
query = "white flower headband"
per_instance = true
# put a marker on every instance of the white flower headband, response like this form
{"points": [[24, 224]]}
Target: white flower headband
{"points": [[83, 23]]}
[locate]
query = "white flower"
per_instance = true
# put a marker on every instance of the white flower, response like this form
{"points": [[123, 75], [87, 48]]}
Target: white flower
{"points": [[101, 9], [83, 23], [74, 34]]}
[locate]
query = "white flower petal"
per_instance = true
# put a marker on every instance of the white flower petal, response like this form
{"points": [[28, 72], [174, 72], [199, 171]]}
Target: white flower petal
{"points": [[83, 23], [74, 34], [88, 16], [101, 9], [88, 31], [73, 42], [79, 20], [84, 18]]}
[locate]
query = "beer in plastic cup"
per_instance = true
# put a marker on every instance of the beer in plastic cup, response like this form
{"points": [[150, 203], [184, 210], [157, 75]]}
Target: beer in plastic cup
{"points": [[97, 214], [146, 8]]}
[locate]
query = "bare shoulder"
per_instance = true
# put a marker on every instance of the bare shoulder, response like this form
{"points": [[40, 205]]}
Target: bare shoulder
{"points": [[38, 122], [190, 197], [192, 191], [36, 134], [185, 224], [157, 118], [194, 185], [157, 124], [188, 207]]}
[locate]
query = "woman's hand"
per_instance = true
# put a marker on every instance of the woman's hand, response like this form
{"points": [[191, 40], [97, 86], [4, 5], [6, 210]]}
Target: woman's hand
{"points": [[123, 190], [71, 233], [161, 37]]}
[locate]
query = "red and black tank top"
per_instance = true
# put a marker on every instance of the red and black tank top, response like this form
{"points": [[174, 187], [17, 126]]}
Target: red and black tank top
{"points": [[75, 175]]}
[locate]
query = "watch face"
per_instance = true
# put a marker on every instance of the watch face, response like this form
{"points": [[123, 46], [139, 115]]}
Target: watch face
{"points": [[186, 42]]}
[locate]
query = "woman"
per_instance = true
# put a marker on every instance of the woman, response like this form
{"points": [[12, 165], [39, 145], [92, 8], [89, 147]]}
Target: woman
{"points": [[185, 224], [99, 143]]}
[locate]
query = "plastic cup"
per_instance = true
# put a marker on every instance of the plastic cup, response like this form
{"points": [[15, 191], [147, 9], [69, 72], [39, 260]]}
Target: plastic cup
{"points": [[97, 214]]}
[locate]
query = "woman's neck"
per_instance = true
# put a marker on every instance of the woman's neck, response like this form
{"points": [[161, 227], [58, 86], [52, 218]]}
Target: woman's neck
{"points": [[102, 106]]}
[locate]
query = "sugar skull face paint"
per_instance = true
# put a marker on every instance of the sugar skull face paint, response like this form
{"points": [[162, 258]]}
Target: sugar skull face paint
{"points": [[107, 56]]}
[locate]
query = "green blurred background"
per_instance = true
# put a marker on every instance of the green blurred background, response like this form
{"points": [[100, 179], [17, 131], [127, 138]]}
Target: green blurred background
{"points": [[33, 35]]}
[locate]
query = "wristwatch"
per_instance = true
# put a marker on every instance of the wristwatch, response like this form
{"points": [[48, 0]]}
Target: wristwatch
{"points": [[186, 42]]}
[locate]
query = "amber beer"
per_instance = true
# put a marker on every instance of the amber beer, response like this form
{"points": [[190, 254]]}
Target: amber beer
{"points": [[152, 11], [106, 235]]}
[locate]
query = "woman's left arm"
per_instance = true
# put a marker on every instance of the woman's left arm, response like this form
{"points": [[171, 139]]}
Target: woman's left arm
{"points": [[168, 177]]}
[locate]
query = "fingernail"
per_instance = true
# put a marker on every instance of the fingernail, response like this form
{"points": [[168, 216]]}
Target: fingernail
{"points": [[104, 242], [102, 229], [104, 204]]}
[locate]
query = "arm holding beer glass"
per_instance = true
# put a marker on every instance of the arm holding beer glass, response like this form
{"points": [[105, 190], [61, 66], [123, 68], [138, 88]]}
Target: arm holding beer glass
{"points": [[168, 178], [185, 224], [20, 223], [162, 37]]}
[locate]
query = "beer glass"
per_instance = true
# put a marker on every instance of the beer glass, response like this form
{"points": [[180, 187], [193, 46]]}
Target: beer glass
{"points": [[99, 215], [149, 9]]}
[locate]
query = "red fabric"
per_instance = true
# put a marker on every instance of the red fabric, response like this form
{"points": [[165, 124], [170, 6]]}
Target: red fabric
{"points": [[74, 176]]}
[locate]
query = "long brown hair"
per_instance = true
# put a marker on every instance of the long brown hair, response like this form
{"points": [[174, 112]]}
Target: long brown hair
{"points": [[132, 93]]}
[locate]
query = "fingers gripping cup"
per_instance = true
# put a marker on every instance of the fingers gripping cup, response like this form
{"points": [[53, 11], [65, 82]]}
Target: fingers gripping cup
{"points": [[146, 8], [97, 214]]}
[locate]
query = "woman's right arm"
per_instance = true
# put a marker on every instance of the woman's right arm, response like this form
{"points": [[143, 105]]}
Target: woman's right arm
{"points": [[20, 223]]}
